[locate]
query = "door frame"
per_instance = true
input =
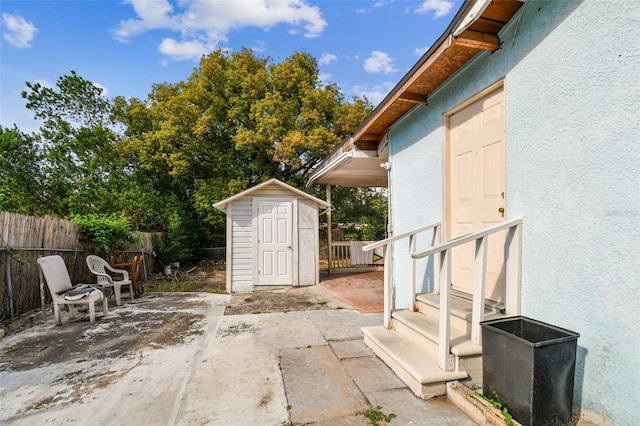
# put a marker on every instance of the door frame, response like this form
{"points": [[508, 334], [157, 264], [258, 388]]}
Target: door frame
{"points": [[255, 202], [446, 157]]}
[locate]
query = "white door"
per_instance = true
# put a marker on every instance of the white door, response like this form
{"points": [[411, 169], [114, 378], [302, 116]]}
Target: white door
{"points": [[275, 251], [477, 189]]}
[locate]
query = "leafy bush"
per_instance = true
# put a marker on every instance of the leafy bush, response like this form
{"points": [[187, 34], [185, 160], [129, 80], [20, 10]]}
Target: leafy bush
{"points": [[179, 239], [109, 234]]}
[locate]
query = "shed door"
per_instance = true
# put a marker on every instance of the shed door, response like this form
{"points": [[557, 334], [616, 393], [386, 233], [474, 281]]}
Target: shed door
{"points": [[476, 189], [275, 253]]}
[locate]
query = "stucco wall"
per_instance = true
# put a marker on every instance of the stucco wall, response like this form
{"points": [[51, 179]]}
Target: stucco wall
{"points": [[573, 173]]}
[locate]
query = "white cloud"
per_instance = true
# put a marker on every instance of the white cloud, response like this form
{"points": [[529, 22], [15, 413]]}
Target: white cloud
{"points": [[439, 7], [382, 3], [43, 83], [327, 58], [379, 62], [17, 31], [183, 50], [153, 14], [325, 77], [105, 92], [258, 46], [376, 93], [207, 23], [376, 5], [419, 51]]}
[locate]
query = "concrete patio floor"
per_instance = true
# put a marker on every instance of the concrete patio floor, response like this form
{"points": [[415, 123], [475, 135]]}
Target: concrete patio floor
{"points": [[176, 359]]}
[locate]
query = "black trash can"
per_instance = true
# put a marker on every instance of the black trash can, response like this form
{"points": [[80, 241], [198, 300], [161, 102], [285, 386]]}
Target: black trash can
{"points": [[529, 367]]}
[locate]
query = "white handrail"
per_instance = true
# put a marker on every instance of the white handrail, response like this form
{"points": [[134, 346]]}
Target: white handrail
{"points": [[513, 262], [389, 292], [442, 275], [400, 237], [467, 238]]}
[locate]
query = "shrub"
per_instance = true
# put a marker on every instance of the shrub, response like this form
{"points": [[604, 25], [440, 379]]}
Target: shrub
{"points": [[179, 239], [109, 234]]}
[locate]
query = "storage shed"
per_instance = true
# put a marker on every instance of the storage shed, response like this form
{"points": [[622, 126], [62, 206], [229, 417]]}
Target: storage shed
{"points": [[272, 237]]}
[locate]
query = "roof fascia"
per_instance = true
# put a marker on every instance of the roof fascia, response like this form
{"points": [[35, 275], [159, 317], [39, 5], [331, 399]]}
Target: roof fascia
{"points": [[221, 205]]}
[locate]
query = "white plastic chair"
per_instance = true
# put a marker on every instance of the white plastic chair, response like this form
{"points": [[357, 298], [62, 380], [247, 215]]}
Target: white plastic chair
{"points": [[57, 278], [99, 267]]}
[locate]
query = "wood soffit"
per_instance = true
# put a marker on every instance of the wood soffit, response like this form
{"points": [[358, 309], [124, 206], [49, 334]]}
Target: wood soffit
{"points": [[443, 62]]}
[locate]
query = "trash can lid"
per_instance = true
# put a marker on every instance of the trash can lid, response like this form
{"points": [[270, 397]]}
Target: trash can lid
{"points": [[529, 331]]}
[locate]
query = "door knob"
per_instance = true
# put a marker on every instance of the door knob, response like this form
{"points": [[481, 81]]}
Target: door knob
{"points": [[501, 210]]}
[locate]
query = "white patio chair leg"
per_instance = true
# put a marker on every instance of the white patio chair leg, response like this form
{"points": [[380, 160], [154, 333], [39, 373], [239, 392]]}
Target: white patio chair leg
{"points": [[56, 313], [116, 290], [105, 305], [92, 313], [131, 291]]}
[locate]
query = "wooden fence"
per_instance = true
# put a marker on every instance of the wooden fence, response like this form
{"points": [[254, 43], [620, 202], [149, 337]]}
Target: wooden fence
{"points": [[25, 238]]}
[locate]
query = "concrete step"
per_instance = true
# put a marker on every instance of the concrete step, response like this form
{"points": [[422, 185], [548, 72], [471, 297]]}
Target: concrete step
{"points": [[414, 363], [424, 330], [461, 310]]}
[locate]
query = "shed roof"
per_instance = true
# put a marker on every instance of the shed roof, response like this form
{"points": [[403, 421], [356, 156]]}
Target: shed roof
{"points": [[221, 205], [356, 161]]}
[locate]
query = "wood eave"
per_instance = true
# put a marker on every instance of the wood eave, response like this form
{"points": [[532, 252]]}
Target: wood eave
{"points": [[447, 58]]}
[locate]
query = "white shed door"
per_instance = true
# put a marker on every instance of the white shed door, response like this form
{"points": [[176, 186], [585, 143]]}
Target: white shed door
{"points": [[477, 189], [275, 251]]}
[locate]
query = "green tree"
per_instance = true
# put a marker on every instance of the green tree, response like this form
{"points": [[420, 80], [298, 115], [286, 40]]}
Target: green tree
{"points": [[21, 174], [361, 212], [78, 167], [163, 161], [238, 120]]}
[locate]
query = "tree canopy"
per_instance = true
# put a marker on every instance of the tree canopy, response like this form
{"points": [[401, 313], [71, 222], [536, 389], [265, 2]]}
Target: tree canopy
{"points": [[163, 161]]}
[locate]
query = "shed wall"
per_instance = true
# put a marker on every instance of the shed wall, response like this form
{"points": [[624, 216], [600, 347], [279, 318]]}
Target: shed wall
{"points": [[572, 97], [308, 256], [242, 246]]}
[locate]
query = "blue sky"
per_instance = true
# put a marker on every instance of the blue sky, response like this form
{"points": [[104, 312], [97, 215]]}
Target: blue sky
{"points": [[125, 46]]}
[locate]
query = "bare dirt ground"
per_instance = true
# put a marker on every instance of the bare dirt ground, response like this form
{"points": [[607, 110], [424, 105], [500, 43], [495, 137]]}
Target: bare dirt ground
{"points": [[360, 291], [150, 322]]}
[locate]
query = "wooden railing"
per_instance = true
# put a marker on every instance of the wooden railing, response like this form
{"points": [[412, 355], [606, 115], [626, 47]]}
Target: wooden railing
{"points": [[387, 244], [513, 264], [340, 255], [441, 251]]}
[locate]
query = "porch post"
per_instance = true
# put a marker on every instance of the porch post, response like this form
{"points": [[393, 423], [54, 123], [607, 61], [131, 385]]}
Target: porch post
{"points": [[412, 272], [445, 359], [388, 290], [479, 284], [329, 232], [437, 239]]}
